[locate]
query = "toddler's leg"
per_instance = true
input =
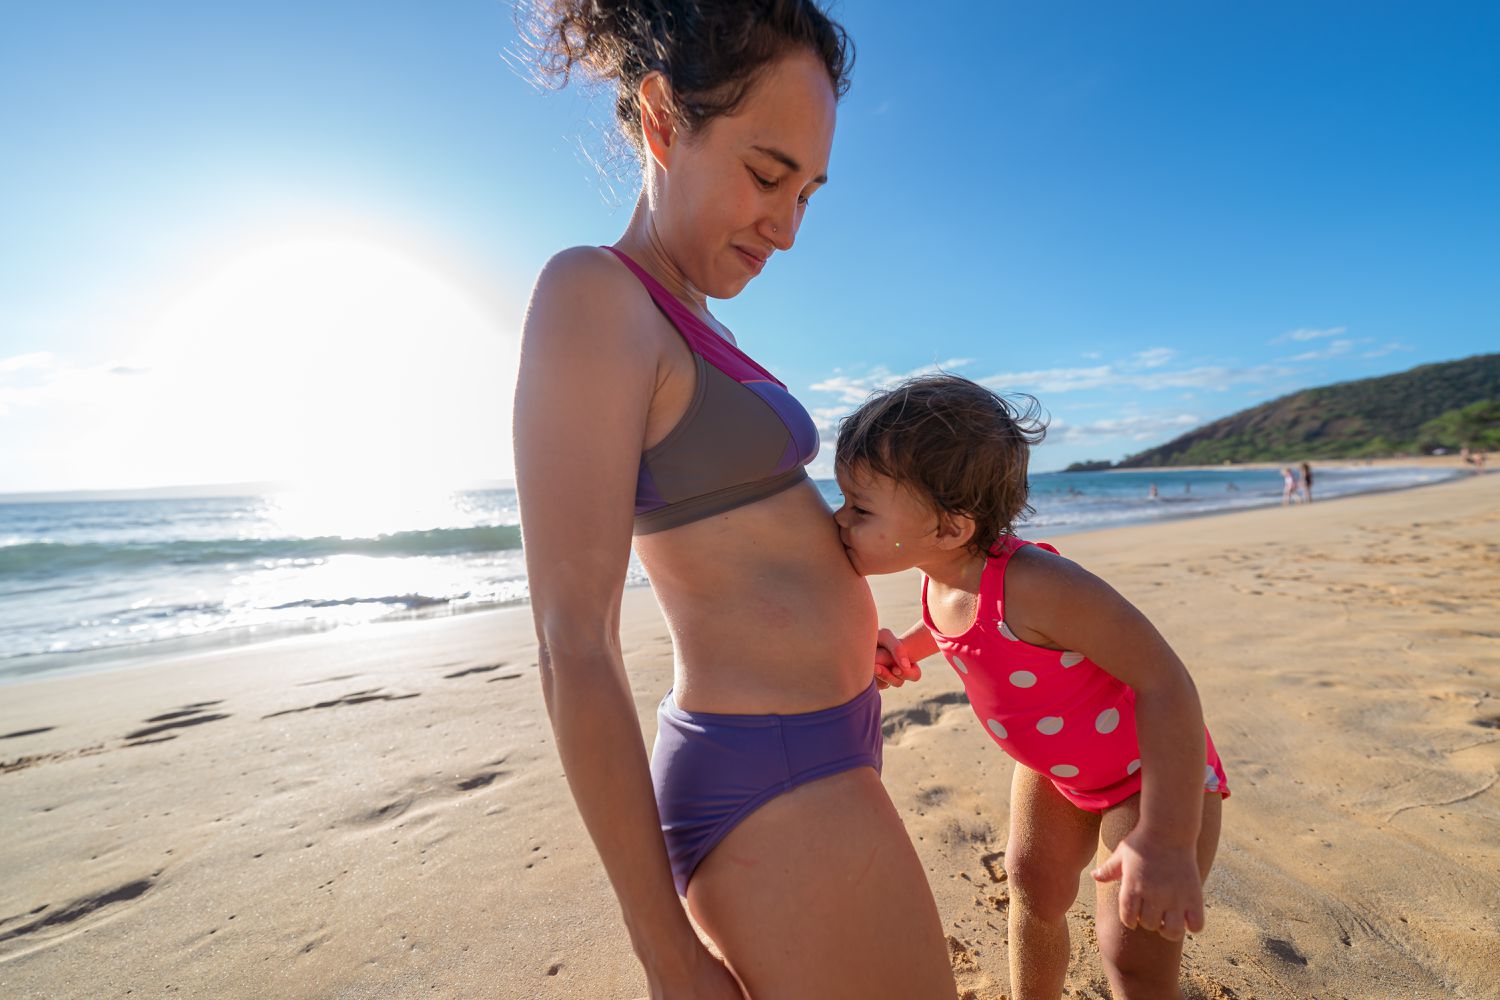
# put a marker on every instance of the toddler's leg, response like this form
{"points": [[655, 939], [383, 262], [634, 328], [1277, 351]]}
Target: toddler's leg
{"points": [[1051, 841], [1143, 965]]}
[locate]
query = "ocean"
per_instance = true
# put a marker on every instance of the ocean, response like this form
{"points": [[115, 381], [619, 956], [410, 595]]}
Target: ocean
{"points": [[91, 582]]}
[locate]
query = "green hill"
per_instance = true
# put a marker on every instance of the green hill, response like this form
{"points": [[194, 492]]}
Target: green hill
{"points": [[1447, 405]]}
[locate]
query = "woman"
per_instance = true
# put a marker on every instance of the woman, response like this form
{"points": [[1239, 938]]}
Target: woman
{"points": [[636, 414]]}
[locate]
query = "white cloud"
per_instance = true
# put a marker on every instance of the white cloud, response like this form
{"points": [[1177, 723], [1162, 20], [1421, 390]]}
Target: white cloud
{"points": [[827, 417], [1381, 352], [22, 362], [1059, 380], [47, 379], [1307, 333], [1052, 379], [854, 389], [1154, 358], [1139, 427], [1333, 350]]}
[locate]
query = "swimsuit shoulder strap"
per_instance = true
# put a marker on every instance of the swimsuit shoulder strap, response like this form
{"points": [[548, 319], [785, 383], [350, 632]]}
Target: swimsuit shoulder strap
{"points": [[701, 340], [992, 584]]}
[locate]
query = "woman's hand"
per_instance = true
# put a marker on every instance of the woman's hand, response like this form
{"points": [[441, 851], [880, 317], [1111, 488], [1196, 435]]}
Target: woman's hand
{"points": [[893, 667]]}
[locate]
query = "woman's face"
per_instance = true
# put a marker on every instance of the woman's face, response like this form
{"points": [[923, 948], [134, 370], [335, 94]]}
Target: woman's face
{"points": [[735, 191]]}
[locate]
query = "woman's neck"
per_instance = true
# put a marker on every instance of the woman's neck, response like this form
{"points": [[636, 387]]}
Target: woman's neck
{"points": [[643, 243]]}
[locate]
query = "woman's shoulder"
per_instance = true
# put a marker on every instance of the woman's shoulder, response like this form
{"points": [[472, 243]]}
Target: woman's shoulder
{"points": [[585, 293], [585, 269]]}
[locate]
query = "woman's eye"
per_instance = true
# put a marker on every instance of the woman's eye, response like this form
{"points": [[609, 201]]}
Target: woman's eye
{"points": [[765, 183]]}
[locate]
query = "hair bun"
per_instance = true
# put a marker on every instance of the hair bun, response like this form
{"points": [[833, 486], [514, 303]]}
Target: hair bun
{"points": [[709, 50]]}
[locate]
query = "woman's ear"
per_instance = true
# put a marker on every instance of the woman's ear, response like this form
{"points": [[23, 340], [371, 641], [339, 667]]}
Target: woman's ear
{"points": [[658, 123]]}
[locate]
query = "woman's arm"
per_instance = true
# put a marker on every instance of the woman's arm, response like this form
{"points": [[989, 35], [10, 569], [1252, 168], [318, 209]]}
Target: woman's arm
{"points": [[587, 376]]}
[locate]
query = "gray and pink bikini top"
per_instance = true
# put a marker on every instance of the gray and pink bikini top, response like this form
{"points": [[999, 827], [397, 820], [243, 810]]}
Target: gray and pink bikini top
{"points": [[743, 437]]}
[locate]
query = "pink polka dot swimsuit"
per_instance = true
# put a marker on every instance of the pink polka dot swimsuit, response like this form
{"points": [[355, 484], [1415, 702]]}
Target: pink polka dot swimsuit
{"points": [[1055, 711]]}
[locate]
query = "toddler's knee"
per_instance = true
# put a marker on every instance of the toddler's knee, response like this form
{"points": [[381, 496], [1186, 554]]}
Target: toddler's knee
{"points": [[1039, 886]]}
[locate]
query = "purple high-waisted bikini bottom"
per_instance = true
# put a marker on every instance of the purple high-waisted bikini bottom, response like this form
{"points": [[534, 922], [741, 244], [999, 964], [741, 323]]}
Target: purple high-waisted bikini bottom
{"points": [[712, 770]]}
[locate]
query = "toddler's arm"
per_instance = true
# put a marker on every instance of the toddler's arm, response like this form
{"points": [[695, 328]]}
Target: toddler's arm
{"points": [[1052, 601], [896, 657]]}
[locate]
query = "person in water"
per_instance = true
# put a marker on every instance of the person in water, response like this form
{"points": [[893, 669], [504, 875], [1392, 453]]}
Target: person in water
{"points": [[1289, 490], [640, 421], [1063, 673]]}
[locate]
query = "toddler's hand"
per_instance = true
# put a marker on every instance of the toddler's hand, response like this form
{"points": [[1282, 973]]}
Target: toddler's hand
{"points": [[893, 667], [1160, 889]]}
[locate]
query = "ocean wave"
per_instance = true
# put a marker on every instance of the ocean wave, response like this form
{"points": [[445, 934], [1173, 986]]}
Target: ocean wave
{"points": [[410, 602], [48, 558]]}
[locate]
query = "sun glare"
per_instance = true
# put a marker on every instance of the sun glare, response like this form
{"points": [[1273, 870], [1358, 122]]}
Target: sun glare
{"points": [[328, 360]]}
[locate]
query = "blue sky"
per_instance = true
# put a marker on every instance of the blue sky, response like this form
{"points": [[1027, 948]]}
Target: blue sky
{"points": [[263, 241]]}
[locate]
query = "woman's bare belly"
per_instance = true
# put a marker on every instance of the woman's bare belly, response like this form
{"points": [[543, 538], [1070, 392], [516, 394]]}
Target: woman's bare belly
{"points": [[766, 614]]}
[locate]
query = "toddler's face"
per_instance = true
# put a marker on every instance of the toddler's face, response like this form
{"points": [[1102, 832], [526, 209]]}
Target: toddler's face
{"points": [[885, 528]]}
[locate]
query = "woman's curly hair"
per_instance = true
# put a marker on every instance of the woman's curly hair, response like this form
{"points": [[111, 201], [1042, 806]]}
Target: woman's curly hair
{"points": [[709, 50]]}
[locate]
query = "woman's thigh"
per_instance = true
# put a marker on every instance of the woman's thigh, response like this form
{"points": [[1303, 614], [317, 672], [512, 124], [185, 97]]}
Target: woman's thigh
{"points": [[819, 893]]}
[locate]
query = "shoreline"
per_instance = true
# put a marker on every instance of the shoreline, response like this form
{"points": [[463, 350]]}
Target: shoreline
{"points": [[20, 669], [1415, 461]]}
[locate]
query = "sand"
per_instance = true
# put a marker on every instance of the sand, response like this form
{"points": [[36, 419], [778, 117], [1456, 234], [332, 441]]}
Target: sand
{"points": [[379, 812]]}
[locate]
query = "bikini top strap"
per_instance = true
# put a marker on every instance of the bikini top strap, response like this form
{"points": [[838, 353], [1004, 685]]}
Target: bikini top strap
{"points": [[701, 340]]}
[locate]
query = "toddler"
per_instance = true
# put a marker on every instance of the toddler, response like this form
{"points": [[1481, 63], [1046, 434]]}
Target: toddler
{"points": [[1067, 676]]}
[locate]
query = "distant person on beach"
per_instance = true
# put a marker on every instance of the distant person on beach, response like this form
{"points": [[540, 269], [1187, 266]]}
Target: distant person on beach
{"points": [[1288, 486], [1153, 494], [640, 422], [1062, 672], [1307, 482]]}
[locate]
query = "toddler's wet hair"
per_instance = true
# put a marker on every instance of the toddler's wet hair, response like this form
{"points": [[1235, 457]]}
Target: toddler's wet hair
{"points": [[961, 447]]}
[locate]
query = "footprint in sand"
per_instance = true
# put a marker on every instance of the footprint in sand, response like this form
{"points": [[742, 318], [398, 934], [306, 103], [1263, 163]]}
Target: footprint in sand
{"points": [[49, 919], [1284, 950], [27, 732], [187, 715], [480, 780], [895, 723], [352, 698], [328, 680], [473, 670]]}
